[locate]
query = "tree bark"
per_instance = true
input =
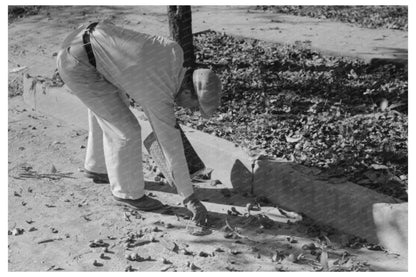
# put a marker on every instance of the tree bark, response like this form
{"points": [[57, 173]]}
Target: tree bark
{"points": [[180, 27]]}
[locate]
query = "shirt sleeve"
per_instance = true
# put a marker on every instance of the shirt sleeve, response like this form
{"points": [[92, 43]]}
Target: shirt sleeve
{"points": [[159, 107], [163, 121]]}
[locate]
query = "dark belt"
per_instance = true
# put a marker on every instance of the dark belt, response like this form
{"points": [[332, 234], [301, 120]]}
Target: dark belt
{"points": [[87, 43]]}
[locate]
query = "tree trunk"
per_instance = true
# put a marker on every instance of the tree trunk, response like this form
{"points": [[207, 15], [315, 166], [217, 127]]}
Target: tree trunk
{"points": [[180, 26]]}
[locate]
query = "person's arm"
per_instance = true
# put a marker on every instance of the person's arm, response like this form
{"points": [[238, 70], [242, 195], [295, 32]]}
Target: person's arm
{"points": [[163, 121]]}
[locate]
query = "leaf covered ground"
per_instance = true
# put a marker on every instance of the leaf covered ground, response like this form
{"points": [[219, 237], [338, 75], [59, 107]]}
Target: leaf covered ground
{"points": [[391, 17], [347, 117], [15, 12]]}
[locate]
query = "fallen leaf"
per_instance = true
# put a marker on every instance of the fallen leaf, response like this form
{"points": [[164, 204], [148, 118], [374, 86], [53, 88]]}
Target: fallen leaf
{"points": [[17, 231], [18, 69], [170, 245], [291, 240], [198, 230], [96, 263], [203, 254], [192, 266], [384, 104], [379, 167], [291, 258], [166, 261], [214, 183], [324, 259], [293, 139]]}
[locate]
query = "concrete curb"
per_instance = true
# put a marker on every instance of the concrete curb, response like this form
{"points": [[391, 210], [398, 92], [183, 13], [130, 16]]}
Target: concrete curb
{"points": [[345, 206]]}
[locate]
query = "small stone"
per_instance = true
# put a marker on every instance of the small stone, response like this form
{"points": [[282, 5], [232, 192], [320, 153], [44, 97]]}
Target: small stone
{"points": [[128, 257], [32, 229], [53, 169], [82, 147], [219, 249], [168, 226]]}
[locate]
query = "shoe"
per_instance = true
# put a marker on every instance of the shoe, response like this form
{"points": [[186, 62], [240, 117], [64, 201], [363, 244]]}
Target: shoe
{"points": [[98, 178], [144, 204], [198, 210]]}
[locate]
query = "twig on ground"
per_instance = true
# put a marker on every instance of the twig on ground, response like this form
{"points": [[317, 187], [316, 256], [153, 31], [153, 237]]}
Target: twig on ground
{"points": [[233, 230], [51, 176], [48, 240]]}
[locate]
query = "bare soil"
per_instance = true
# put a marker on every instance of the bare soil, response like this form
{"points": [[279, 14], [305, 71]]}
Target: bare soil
{"points": [[59, 220]]}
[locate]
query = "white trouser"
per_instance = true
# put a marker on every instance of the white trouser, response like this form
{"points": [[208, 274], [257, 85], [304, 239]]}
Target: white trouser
{"points": [[114, 143]]}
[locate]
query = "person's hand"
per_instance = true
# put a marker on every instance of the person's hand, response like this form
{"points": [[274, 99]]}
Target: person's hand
{"points": [[199, 212]]}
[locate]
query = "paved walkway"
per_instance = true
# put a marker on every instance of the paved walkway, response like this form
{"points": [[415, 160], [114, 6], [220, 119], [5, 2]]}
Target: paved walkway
{"points": [[33, 39], [327, 36]]}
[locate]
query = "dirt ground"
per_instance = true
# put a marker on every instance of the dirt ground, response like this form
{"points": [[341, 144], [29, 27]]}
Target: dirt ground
{"points": [[59, 220]]}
